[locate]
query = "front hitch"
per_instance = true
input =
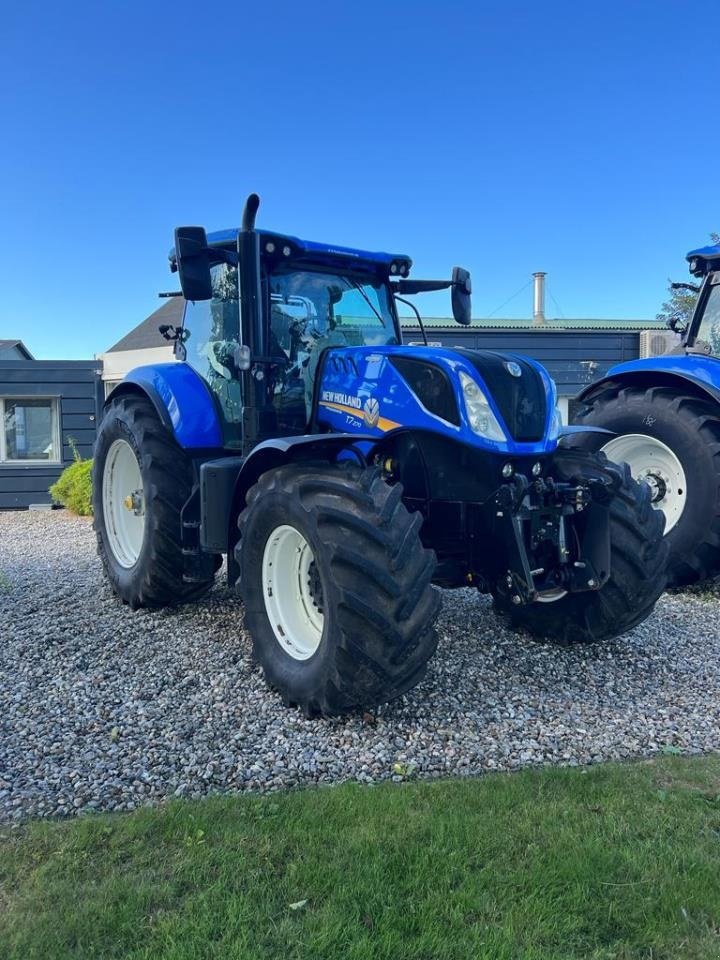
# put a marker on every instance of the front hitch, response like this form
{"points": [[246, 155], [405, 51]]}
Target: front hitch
{"points": [[556, 536]]}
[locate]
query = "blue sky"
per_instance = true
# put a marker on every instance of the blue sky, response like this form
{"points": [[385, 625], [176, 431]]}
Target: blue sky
{"points": [[507, 137]]}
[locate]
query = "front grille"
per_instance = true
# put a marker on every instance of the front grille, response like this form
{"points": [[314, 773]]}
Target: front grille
{"points": [[521, 400], [431, 385]]}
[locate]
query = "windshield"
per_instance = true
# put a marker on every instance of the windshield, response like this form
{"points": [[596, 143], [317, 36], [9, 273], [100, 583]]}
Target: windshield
{"points": [[310, 311], [709, 329], [307, 307]]}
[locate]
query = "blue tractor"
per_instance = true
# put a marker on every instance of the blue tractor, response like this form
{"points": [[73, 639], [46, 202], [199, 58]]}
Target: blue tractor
{"points": [[665, 412], [342, 474]]}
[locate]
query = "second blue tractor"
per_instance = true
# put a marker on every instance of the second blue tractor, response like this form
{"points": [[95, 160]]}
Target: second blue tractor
{"points": [[665, 412]]}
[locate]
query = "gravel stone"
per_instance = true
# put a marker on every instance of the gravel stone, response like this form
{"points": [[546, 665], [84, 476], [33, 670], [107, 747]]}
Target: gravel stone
{"points": [[103, 708]]}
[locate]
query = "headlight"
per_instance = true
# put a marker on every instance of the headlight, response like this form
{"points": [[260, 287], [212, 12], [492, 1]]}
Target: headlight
{"points": [[482, 420], [556, 423]]}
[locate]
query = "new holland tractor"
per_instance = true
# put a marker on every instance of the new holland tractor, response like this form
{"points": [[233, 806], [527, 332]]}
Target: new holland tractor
{"points": [[342, 474], [665, 412]]}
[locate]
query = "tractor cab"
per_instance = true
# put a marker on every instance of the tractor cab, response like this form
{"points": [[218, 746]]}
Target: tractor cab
{"points": [[264, 308], [311, 297], [703, 333]]}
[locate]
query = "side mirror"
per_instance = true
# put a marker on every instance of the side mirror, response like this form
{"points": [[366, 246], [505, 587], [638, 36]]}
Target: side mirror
{"points": [[678, 324], [193, 263], [461, 290]]}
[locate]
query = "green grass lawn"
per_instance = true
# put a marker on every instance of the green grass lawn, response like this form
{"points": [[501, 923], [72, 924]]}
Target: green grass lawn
{"points": [[618, 861]]}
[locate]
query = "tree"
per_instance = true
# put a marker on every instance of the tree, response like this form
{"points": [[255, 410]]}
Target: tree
{"points": [[681, 301]]}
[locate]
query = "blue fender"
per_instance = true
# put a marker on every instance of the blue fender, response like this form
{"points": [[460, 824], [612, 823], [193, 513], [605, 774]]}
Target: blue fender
{"points": [[183, 402], [700, 372]]}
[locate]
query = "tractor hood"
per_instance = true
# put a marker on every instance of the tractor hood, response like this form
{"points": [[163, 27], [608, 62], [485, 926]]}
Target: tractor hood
{"points": [[499, 402]]}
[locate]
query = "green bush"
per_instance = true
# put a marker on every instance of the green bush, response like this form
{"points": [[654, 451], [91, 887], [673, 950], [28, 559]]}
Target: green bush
{"points": [[73, 488]]}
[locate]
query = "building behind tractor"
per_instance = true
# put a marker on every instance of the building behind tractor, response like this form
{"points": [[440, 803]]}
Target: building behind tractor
{"points": [[665, 411], [342, 474]]}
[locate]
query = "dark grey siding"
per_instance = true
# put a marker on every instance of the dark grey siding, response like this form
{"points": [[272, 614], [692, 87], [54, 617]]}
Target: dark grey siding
{"points": [[11, 353], [573, 358], [78, 388]]}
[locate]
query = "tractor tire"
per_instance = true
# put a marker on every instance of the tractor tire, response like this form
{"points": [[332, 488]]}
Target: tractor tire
{"points": [[141, 480], [638, 558], [673, 440], [336, 587]]}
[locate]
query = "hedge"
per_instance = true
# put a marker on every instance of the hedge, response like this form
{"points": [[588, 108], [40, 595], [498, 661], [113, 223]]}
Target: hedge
{"points": [[73, 488]]}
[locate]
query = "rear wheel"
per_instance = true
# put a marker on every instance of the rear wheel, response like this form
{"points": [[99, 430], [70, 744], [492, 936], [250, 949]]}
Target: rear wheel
{"points": [[671, 441], [141, 480], [638, 556], [336, 587]]}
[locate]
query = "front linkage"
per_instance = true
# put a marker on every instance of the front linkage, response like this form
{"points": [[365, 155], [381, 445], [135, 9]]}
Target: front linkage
{"points": [[556, 536]]}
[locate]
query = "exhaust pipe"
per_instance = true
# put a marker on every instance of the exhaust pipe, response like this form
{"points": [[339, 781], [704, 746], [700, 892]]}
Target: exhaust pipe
{"points": [[249, 213], [539, 298], [252, 330]]}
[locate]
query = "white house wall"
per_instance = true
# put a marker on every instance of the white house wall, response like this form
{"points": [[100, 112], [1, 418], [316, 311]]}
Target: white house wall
{"points": [[118, 363]]}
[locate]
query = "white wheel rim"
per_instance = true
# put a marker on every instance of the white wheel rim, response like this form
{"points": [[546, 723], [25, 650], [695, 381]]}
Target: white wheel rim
{"points": [[123, 503], [293, 600], [550, 596], [654, 463]]}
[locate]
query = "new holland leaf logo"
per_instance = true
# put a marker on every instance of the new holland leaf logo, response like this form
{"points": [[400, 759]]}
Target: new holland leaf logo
{"points": [[371, 412]]}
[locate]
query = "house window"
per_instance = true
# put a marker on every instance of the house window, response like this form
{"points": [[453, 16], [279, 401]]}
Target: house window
{"points": [[30, 430]]}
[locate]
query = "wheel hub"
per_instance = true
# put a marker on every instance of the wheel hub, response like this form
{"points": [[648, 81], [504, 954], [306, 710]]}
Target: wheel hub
{"points": [[653, 463], [658, 485], [134, 501]]}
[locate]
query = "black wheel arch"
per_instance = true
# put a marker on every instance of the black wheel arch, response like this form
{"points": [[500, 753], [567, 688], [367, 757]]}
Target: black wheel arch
{"points": [[268, 455]]}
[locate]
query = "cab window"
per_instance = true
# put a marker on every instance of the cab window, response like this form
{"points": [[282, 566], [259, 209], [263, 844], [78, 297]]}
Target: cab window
{"points": [[310, 311], [709, 330], [212, 329]]}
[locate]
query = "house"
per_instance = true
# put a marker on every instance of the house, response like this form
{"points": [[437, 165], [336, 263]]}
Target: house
{"points": [[143, 344], [14, 350], [48, 410]]}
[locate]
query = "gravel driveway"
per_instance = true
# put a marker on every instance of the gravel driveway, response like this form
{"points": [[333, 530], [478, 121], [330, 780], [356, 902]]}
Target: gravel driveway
{"points": [[103, 708]]}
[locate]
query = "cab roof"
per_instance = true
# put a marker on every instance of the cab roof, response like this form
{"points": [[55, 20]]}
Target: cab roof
{"points": [[704, 259], [312, 252]]}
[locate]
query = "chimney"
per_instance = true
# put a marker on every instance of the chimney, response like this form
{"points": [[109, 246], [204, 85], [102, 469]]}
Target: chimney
{"points": [[539, 298]]}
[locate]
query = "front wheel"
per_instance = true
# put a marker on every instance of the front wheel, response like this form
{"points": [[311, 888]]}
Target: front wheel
{"points": [[336, 587], [638, 557]]}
